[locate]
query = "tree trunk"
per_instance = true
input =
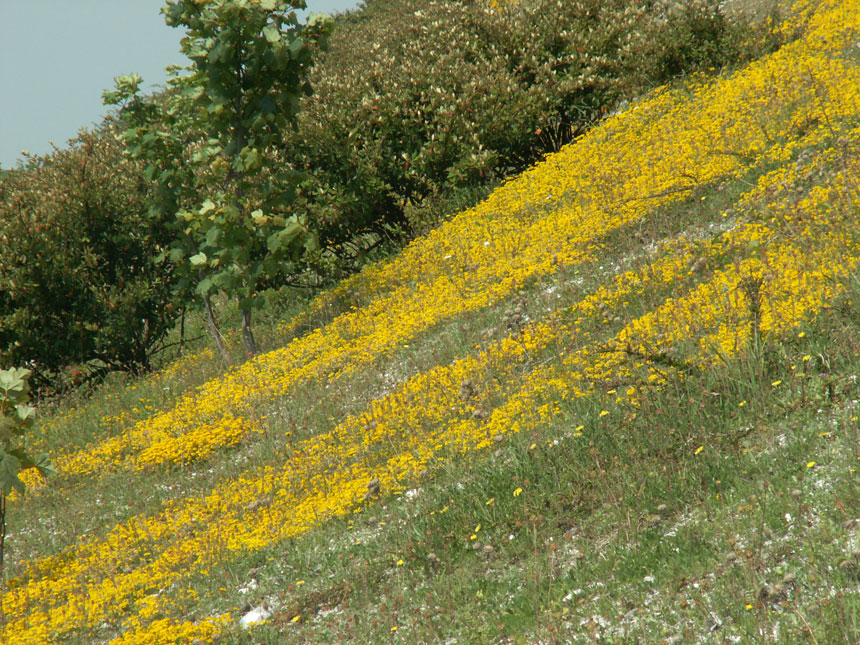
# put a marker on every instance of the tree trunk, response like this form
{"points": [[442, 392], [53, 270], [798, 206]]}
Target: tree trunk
{"points": [[213, 329], [2, 529], [182, 331], [247, 334]]}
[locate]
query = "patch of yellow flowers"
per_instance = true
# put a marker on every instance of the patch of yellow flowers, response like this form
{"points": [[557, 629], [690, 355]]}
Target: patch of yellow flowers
{"points": [[789, 246]]}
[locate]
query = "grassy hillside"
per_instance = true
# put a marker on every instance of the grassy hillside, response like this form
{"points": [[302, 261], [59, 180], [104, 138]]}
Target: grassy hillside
{"points": [[614, 401]]}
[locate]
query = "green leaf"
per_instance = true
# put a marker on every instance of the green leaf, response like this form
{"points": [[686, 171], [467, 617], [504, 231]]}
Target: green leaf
{"points": [[26, 413], [296, 45], [231, 212], [213, 236], [205, 286], [193, 92], [45, 466], [259, 217], [312, 243], [272, 33], [220, 52], [198, 260], [13, 383], [252, 160], [267, 105], [24, 461], [207, 206], [318, 18], [281, 240], [42, 463], [10, 465], [7, 428], [223, 279]]}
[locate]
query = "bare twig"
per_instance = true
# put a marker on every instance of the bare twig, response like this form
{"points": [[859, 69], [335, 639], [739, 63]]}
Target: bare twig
{"points": [[660, 358], [662, 193]]}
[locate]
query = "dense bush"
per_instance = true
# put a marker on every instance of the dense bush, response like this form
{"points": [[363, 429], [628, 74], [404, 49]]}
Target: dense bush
{"points": [[77, 284], [420, 98]]}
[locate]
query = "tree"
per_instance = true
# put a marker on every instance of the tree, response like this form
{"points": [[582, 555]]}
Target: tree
{"points": [[78, 288], [249, 65]]}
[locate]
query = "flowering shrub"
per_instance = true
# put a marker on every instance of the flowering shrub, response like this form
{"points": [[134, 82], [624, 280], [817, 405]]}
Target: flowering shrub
{"points": [[418, 99], [446, 97], [654, 154]]}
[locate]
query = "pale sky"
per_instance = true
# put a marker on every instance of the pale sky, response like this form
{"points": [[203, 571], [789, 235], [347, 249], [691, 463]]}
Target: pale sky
{"points": [[58, 56]]}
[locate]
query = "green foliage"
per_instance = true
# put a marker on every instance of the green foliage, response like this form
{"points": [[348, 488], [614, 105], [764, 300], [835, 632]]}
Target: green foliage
{"points": [[699, 35], [249, 62], [16, 416], [418, 100], [77, 285], [418, 107]]}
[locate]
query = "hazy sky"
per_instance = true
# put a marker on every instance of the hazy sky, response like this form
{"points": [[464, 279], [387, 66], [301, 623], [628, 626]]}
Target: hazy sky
{"points": [[58, 56]]}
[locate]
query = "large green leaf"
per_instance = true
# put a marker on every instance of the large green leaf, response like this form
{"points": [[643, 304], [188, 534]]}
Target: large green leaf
{"points": [[207, 206], [25, 413], [198, 260], [296, 45], [9, 467], [45, 466], [8, 426], [213, 236], [281, 240], [205, 286], [272, 33], [13, 384]]}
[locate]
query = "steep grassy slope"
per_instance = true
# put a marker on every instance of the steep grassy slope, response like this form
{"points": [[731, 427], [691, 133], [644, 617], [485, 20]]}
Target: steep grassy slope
{"points": [[542, 420]]}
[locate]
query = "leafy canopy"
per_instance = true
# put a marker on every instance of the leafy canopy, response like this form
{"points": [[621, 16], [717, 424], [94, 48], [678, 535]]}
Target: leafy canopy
{"points": [[16, 416], [249, 66]]}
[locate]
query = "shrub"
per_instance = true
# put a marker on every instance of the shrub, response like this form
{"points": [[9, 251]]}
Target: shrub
{"points": [[700, 35], [77, 284], [418, 99], [419, 106]]}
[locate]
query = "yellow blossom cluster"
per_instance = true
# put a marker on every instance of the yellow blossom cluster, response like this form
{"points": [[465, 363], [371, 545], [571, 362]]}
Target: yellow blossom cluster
{"points": [[166, 631], [657, 152], [779, 261]]}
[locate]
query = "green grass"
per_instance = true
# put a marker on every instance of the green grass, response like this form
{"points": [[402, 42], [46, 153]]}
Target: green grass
{"points": [[629, 536]]}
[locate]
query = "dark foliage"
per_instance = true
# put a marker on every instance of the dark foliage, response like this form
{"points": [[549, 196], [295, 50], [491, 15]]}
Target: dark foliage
{"points": [[79, 293]]}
